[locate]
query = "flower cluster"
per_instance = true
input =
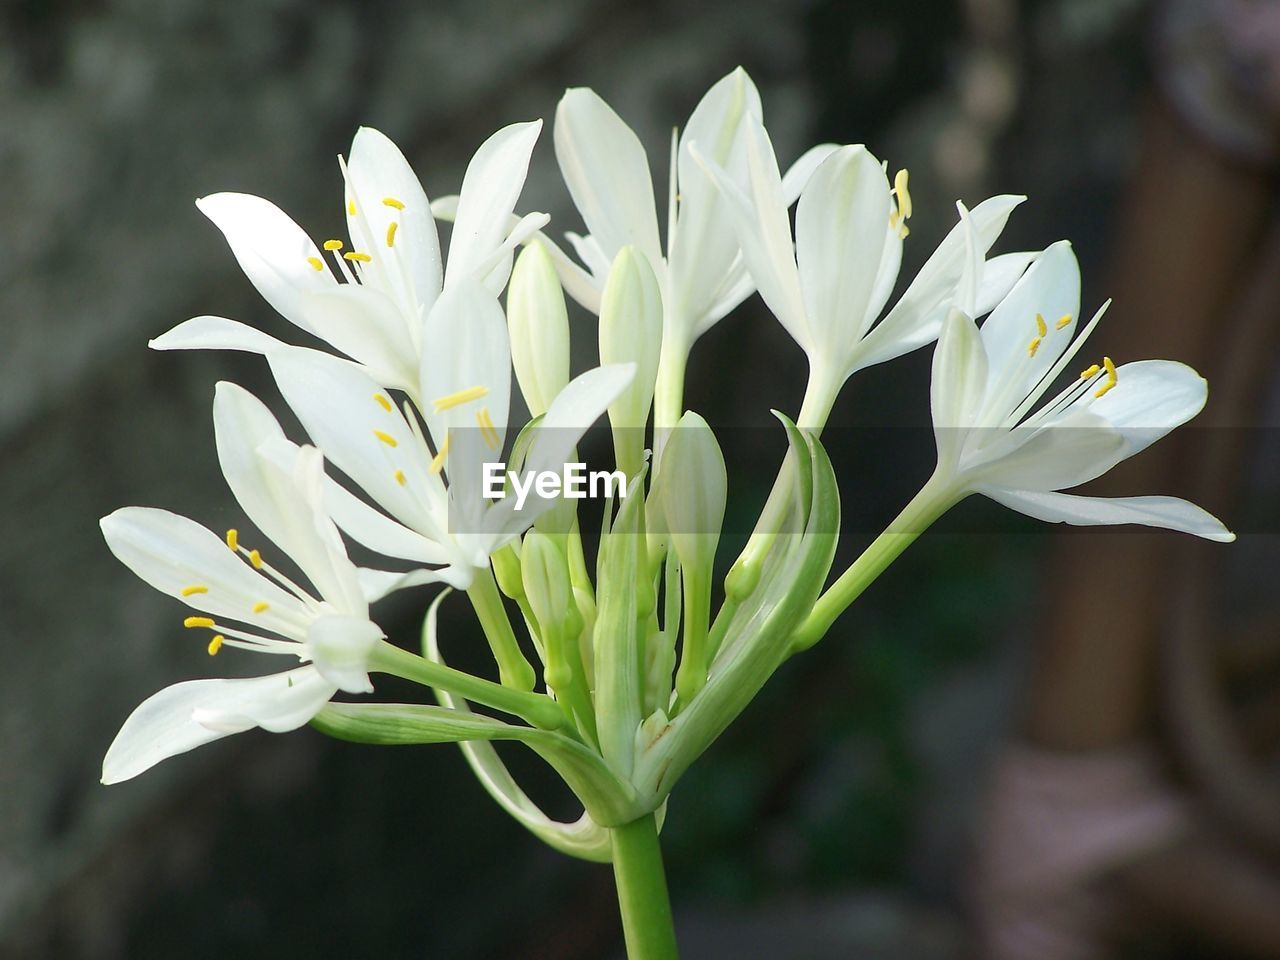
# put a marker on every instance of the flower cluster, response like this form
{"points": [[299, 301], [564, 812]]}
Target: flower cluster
{"points": [[631, 661]]}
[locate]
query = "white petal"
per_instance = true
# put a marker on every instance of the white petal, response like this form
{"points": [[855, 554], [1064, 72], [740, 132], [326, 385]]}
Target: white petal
{"points": [[215, 333], [1051, 289], [337, 405], [703, 246], [370, 328], [490, 188], [840, 237], [273, 251], [165, 724], [798, 174], [340, 648], [999, 274], [956, 389], [1168, 512], [607, 172], [283, 503], [760, 219], [172, 554], [1150, 398], [381, 583], [917, 316], [1072, 450], [377, 170], [373, 529]]}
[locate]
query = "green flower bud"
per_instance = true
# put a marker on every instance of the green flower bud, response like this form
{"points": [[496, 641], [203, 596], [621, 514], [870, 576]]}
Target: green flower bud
{"points": [[539, 326]]}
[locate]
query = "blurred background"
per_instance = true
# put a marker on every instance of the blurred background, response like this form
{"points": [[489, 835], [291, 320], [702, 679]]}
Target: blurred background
{"points": [[1019, 743]]}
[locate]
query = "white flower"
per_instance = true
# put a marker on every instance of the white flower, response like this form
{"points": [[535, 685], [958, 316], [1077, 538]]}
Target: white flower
{"points": [[829, 286], [466, 385], [986, 382], [244, 599], [393, 269]]}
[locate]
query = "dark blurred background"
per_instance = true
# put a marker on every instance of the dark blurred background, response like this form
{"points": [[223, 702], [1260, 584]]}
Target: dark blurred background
{"points": [[842, 815]]}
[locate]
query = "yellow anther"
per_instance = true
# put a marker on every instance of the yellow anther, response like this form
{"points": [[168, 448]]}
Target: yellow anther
{"points": [[1102, 390], [357, 255], [902, 193], [261, 607], [1033, 346], [487, 430], [1109, 367], [399, 475], [332, 245], [255, 558], [192, 622], [383, 402], [1112, 378], [316, 263], [233, 539], [215, 644], [393, 203], [1062, 321], [351, 207], [1041, 329], [195, 588], [391, 233], [437, 462], [386, 438], [1090, 372], [457, 399]]}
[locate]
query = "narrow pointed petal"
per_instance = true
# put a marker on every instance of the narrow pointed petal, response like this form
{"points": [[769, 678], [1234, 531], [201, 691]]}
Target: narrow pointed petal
{"points": [[1151, 398], [917, 316], [1075, 449], [959, 379], [274, 252], [174, 554], [371, 528], [798, 174], [369, 328], [378, 171], [1167, 512], [490, 189], [999, 274], [760, 219], [607, 172], [840, 239], [381, 583], [166, 724], [216, 333]]}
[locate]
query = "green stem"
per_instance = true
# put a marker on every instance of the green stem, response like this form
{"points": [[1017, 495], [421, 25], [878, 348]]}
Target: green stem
{"points": [[513, 667], [934, 499], [535, 708], [642, 891]]}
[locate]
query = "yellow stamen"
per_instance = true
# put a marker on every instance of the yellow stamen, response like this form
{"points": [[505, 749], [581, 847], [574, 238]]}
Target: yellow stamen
{"points": [[1090, 372], [437, 462], [215, 645], [233, 539], [386, 438], [192, 622], [383, 402], [351, 208], [332, 245], [1041, 329], [1033, 346], [1062, 321], [356, 255], [399, 475], [261, 607], [902, 193], [195, 588], [316, 263], [457, 399], [393, 202], [255, 558], [1103, 390], [1110, 367], [487, 430], [391, 233], [1112, 378]]}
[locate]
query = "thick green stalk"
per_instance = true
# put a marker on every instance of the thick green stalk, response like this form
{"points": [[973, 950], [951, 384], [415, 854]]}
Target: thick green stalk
{"points": [[642, 891], [537, 709], [513, 667], [933, 500]]}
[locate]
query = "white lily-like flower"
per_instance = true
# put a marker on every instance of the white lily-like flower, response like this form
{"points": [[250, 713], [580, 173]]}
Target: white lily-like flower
{"points": [[986, 382], [466, 380], [392, 271], [244, 599], [828, 286]]}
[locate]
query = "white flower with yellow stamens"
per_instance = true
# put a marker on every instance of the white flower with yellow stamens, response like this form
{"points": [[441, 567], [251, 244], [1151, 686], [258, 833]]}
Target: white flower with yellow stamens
{"points": [[432, 510], [392, 271], [828, 286], [986, 382], [246, 601]]}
